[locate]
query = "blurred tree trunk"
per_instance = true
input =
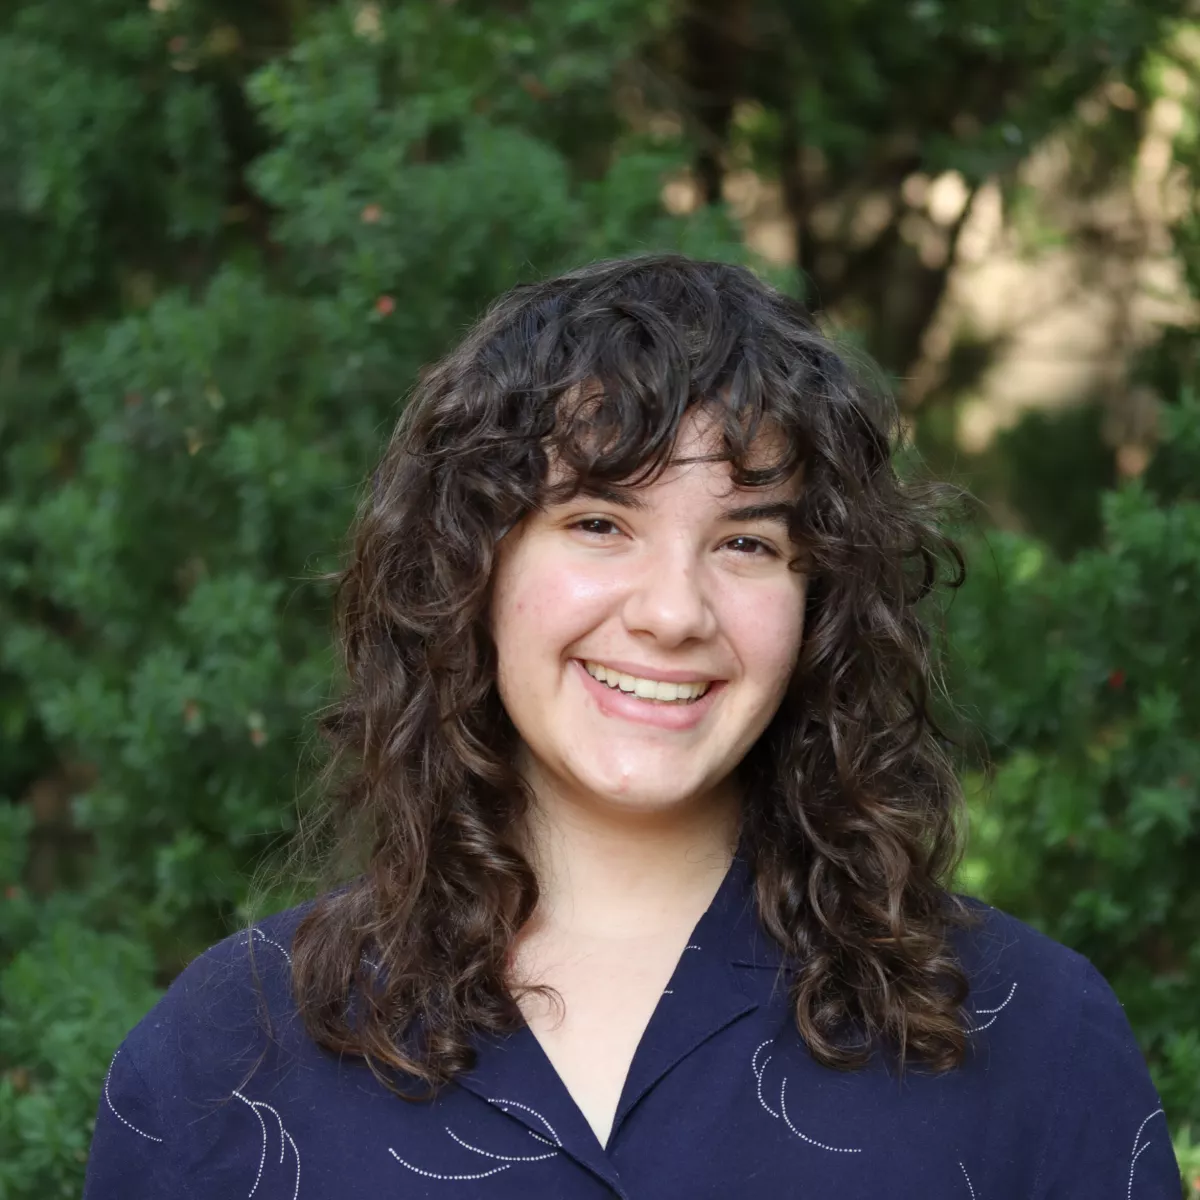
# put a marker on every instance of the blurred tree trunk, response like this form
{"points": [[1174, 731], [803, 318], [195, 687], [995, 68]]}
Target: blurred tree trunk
{"points": [[862, 107], [714, 38]]}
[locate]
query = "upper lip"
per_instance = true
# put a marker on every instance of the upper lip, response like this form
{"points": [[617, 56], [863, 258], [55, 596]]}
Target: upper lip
{"points": [[661, 674]]}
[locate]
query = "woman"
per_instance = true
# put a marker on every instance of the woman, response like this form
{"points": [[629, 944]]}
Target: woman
{"points": [[657, 826]]}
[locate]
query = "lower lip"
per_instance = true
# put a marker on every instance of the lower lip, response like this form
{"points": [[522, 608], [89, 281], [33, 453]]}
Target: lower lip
{"points": [[613, 702]]}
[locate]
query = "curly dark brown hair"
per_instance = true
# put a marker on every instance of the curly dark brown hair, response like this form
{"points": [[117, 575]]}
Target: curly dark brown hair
{"points": [[849, 801]]}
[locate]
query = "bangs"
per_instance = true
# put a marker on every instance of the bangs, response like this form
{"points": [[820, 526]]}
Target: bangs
{"points": [[630, 373], [618, 438]]}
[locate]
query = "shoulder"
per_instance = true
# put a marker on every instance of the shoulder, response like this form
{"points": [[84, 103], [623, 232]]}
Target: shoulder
{"points": [[179, 1077], [1055, 1047], [226, 1010], [1028, 987], [1004, 957]]}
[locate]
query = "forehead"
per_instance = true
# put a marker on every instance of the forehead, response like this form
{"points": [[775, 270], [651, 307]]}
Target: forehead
{"points": [[700, 452], [700, 441]]}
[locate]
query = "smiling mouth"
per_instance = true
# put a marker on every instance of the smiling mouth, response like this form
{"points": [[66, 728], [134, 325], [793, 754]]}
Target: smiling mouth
{"points": [[652, 690]]}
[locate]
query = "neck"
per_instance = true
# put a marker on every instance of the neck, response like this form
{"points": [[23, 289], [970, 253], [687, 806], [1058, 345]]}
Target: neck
{"points": [[618, 874]]}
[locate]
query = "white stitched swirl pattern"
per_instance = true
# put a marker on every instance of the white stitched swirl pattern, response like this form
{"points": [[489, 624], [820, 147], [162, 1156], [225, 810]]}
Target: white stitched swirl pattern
{"points": [[108, 1100], [1137, 1150], [970, 1185], [992, 1013], [759, 1069], [285, 1140], [506, 1161], [253, 932]]}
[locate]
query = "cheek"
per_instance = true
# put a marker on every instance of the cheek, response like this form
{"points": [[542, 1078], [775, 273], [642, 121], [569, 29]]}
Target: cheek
{"points": [[515, 612], [769, 634], [539, 608]]}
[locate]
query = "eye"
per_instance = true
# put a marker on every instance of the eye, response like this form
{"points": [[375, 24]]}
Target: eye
{"points": [[595, 526], [752, 547]]}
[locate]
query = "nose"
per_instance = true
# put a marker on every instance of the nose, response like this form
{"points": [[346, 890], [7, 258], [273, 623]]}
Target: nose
{"points": [[668, 600]]}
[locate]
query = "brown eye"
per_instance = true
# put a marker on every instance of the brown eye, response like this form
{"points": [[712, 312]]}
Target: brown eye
{"points": [[752, 547], [596, 526]]}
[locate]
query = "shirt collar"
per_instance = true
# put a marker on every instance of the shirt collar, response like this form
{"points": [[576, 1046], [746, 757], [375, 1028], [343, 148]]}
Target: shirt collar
{"points": [[730, 968], [732, 926]]}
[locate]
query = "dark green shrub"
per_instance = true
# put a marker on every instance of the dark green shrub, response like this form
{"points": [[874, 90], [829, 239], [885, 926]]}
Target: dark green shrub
{"points": [[218, 285], [1084, 679], [232, 236]]}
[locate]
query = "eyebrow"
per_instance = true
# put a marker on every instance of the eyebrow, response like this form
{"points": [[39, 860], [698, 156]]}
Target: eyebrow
{"points": [[779, 512]]}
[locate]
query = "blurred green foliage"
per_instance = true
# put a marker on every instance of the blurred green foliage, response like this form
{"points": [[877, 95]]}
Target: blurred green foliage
{"points": [[1082, 677], [233, 236]]}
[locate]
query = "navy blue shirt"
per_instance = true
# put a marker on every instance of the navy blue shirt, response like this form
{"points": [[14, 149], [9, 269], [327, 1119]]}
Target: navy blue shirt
{"points": [[722, 1098]]}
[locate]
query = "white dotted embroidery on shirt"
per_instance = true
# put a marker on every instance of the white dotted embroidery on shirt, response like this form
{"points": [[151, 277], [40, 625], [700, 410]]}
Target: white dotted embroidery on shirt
{"points": [[671, 991], [759, 1070], [803, 1136], [1137, 1150], [758, 1074], [447, 1178], [992, 1012], [506, 1160], [254, 932], [970, 1186], [108, 1100], [512, 1158], [534, 1113], [285, 1140]]}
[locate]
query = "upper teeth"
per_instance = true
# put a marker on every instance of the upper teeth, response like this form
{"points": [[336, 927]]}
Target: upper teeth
{"points": [[647, 689]]}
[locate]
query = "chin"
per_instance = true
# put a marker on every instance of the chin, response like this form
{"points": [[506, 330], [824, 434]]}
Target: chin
{"points": [[643, 794]]}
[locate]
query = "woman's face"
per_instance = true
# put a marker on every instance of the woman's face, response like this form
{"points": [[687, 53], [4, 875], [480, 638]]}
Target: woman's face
{"points": [[679, 596]]}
